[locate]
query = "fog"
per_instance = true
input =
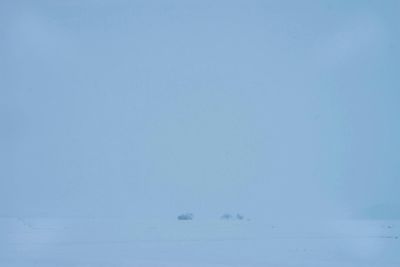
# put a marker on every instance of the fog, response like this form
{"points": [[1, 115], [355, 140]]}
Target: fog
{"points": [[147, 109]]}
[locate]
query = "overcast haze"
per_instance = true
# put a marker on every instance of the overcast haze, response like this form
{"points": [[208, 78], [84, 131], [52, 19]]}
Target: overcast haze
{"points": [[152, 108]]}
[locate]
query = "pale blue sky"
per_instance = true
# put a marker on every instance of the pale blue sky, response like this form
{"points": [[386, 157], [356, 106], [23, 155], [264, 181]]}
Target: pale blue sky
{"points": [[281, 108]]}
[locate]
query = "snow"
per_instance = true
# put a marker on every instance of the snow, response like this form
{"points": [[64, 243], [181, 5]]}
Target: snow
{"points": [[83, 242]]}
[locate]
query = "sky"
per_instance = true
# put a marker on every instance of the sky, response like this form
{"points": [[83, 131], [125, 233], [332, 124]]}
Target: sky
{"points": [[275, 109]]}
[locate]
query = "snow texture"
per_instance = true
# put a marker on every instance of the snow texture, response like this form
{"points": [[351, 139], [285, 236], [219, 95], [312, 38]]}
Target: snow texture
{"points": [[83, 242]]}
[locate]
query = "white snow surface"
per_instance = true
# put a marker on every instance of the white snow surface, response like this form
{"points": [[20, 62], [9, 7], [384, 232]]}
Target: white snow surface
{"points": [[84, 242]]}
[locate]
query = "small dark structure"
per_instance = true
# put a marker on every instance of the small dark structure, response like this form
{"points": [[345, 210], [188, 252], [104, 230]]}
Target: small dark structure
{"points": [[226, 216], [239, 216], [185, 217]]}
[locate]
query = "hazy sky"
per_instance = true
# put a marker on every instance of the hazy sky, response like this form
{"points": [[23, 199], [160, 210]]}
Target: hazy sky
{"points": [[270, 108]]}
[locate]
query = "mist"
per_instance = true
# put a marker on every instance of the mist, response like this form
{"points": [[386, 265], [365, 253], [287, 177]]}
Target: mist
{"points": [[148, 109]]}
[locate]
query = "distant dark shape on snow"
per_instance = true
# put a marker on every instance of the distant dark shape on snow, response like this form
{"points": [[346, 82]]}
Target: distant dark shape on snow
{"points": [[185, 216], [239, 216], [228, 216]]}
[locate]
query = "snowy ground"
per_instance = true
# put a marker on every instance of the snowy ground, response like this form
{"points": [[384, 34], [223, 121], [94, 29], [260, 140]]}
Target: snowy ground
{"points": [[127, 242]]}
